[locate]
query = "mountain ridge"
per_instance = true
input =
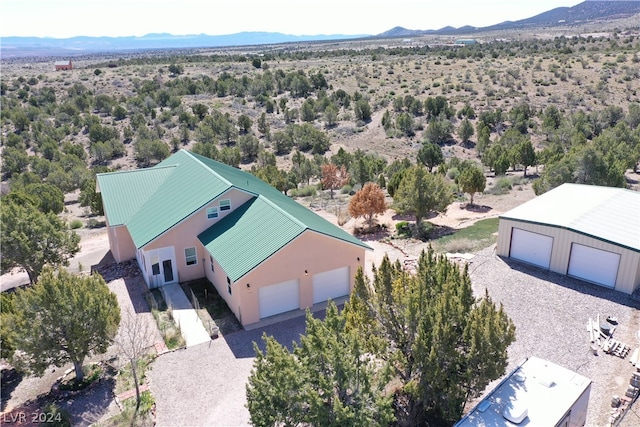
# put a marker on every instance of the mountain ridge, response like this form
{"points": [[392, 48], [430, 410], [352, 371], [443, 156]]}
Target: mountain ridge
{"points": [[587, 11], [15, 47]]}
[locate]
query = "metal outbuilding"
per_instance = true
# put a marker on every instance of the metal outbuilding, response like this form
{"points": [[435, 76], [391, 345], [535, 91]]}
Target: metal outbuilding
{"points": [[584, 231]]}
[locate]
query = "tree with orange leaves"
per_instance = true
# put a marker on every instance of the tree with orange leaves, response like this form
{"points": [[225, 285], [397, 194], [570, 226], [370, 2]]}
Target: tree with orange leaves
{"points": [[368, 202], [334, 177]]}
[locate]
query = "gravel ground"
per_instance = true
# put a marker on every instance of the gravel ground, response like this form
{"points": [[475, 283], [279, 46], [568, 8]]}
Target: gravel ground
{"points": [[205, 384], [550, 312], [96, 403]]}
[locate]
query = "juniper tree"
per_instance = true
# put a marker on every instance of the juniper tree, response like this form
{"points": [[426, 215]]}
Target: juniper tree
{"points": [[328, 379], [63, 318], [442, 344]]}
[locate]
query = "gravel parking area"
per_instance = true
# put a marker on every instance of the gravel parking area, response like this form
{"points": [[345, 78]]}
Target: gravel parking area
{"points": [[550, 312], [205, 384]]}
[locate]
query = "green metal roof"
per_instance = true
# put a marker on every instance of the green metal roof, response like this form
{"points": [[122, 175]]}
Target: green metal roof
{"points": [[124, 192], [249, 235], [152, 201]]}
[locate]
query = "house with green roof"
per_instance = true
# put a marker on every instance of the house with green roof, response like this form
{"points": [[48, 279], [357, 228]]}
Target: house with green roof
{"points": [[191, 217]]}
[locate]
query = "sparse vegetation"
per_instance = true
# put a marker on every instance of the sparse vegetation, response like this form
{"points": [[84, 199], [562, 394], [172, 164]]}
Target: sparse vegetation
{"points": [[533, 112], [163, 315]]}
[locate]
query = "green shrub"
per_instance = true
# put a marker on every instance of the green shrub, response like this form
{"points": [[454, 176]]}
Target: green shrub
{"points": [[146, 402], [94, 223], [309, 190], [91, 373], [55, 416], [453, 173], [75, 224], [403, 229], [346, 189], [502, 186], [423, 231]]}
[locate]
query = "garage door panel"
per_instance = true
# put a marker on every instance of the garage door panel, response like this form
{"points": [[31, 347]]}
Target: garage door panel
{"points": [[279, 298], [330, 284], [594, 265], [532, 248]]}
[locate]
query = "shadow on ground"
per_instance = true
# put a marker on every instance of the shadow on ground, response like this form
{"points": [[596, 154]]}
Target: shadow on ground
{"points": [[88, 407], [10, 380], [574, 284], [286, 333]]}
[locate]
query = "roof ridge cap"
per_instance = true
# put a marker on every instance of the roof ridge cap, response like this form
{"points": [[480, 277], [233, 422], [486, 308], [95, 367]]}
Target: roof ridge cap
{"points": [[211, 171], [137, 170]]}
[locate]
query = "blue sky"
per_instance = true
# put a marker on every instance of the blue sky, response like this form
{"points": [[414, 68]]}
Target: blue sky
{"points": [[68, 18]]}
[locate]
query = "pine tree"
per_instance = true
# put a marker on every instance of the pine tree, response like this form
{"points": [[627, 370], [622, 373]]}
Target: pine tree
{"points": [[328, 379], [472, 180], [420, 192], [64, 318], [442, 344], [31, 239]]}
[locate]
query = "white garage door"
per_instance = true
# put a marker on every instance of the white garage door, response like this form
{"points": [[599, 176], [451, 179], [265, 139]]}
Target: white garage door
{"points": [[533, 248], [594, 265], [279, 298], [330, 284]]}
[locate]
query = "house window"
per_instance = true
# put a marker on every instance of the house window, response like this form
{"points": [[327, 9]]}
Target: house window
{"points": [[211, 261], [191, 256], [225, 205], [155, 265], [212, 213]]}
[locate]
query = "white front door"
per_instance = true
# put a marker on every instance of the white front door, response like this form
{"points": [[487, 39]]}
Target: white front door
{"points": [[532, 248], [279, 298], [330, 284], [162, 267], [593, 265]]}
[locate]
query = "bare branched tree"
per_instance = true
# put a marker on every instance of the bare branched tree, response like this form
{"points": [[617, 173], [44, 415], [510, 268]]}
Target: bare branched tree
{"points": [[133, 340]]}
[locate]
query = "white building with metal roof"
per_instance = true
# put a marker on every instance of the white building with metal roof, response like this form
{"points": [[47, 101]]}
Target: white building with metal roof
{"points": [[584, 231], [536, 393]]}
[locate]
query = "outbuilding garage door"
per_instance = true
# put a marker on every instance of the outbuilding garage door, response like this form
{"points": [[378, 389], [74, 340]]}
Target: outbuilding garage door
{"points": [[279, 298], [330, 284], [594, 265], [533, 248]]}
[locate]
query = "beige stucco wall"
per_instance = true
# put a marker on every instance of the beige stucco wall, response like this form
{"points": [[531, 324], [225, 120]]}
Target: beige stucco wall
{"points": [[218, 277], [121, 244], [185, 235], [628, 277], [313, 252]]}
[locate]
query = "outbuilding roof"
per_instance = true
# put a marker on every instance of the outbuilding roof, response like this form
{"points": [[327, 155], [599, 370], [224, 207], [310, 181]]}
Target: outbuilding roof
{"points": [[606, 213], [540, 390], [152, 201]]}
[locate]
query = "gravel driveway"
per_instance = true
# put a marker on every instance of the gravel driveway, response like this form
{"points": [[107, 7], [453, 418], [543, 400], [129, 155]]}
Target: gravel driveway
{"points": [[550, 312], [205, 384]]}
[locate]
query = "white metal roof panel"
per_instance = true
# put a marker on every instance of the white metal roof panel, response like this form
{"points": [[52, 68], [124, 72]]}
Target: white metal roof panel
{"points": [[544, 389], [606, 213]]}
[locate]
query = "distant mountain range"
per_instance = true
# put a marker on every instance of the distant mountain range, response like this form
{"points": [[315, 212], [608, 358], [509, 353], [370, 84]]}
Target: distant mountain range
{"points": [[45, 46], [15, 47], [587, 11]]}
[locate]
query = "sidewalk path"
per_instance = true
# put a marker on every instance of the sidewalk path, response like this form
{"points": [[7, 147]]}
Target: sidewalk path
{"points": [[185, 316]]}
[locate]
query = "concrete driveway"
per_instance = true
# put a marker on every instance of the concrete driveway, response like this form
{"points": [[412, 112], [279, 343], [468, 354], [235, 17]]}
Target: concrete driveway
{"points": [[204, 385]]}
